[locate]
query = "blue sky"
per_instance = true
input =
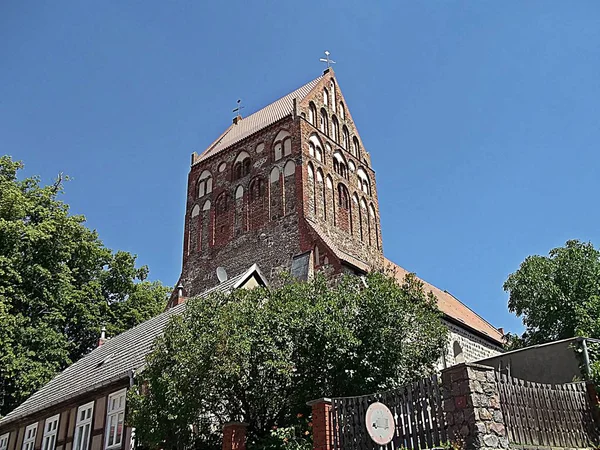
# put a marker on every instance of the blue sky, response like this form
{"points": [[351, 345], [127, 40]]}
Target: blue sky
{"points": [[482, 118]]}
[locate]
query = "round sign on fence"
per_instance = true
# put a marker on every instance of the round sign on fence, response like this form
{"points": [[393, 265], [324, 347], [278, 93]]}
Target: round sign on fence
{"points": [[380, 423]]}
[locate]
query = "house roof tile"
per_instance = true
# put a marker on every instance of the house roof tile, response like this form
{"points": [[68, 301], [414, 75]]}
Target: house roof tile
{"points": [[114, 360]]}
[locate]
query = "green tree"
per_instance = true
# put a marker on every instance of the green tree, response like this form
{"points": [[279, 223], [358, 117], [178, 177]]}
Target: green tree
{"points": [[58, 285], [557, 296], [258, 355]]}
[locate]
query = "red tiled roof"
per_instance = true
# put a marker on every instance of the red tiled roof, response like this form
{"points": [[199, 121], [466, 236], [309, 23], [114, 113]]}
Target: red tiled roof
{"points": [[259, 120], [454, 308]]}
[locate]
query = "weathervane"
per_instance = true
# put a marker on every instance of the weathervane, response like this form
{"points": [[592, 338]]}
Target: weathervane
{"points": [[326, 60], [239, 108]]}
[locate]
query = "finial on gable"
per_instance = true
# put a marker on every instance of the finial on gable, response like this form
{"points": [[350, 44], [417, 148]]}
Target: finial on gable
{"points": [[238, 111], [327, 61]]}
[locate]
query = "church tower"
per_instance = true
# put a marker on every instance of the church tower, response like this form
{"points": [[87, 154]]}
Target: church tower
{"points": [[290, 188]]}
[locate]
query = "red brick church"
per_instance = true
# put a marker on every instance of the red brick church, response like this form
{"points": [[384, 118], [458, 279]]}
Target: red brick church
{"points": [[291, 188], [288, 188]]}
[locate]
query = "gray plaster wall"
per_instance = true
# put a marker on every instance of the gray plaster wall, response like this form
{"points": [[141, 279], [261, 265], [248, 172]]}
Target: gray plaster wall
{"points": [[549, 363]]}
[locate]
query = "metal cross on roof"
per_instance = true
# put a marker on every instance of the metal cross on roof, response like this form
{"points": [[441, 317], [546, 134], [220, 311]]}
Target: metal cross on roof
{"points": [[239, 108], [326, 60]]}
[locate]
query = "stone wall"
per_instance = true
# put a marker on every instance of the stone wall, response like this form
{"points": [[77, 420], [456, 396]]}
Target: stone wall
{"points": [[474, 348], [472, 407]]}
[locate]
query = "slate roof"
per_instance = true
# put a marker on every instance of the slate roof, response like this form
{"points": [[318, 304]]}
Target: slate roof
{"points": [[454, 308], [115, 360], [259, 120]]}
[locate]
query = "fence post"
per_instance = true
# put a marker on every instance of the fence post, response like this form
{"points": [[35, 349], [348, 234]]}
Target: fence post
{"points": [[472, 407], [321, 420], [234, 436], [594, 401]]}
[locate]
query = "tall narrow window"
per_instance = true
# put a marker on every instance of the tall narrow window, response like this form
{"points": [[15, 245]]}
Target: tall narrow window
{"points": [[335, 129], [343, 197], [324, 123], [355, 147], [345, 137], [342, 111], [29, 438], [115, 417], [4, 441], [325, 97], [83, 427], [332, 87], [312, 113], [50, 429]]}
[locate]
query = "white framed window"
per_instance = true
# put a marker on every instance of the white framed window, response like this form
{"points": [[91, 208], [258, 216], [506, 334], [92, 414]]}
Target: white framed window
{"points": [[29, 438], [4, 441], [115, 418], [50, 430], [83, 426]]}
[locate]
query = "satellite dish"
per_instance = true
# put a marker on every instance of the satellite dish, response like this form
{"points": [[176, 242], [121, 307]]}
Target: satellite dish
{"points": [[221, 274]]}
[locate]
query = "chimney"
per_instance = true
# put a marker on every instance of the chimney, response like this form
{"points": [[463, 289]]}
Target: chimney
{"points": [[102, 339], [180, 298], [501, 330]]}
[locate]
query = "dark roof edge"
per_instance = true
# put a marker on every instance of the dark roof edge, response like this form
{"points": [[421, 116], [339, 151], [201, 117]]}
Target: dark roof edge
{"points": [[476, 332]]}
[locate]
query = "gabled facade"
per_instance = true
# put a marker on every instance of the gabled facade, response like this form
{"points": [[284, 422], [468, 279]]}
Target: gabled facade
{"points": [[290, 186]]}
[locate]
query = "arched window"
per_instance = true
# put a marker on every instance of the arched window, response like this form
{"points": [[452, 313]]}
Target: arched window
{"points": [[311, 149], [325, 97], [312, 113], [289, 169], [324, 122], [339, 165], [345, 137], [335, 129], [311, 172], [239, 192], [195, 211], [355, 147], [257, 189], [319, 154], [274, 177], [204, 183], [221, 203], [343, 197], [342, 111], [282, 145], [363, 181], [332, 87], [206, 206], [241, 166], [458, 353]]}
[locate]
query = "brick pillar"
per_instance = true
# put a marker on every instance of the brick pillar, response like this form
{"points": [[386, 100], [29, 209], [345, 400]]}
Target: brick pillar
{"points": [[321, 419], [472, 407], [234, 436]]}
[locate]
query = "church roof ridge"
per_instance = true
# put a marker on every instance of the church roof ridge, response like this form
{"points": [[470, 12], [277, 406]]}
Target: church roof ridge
{"points": [[258, 120]]}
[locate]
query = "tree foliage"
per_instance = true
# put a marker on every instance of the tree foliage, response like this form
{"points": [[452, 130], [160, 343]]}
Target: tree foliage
{"points": [[557, 296], [258, 355], [58, 285]]}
